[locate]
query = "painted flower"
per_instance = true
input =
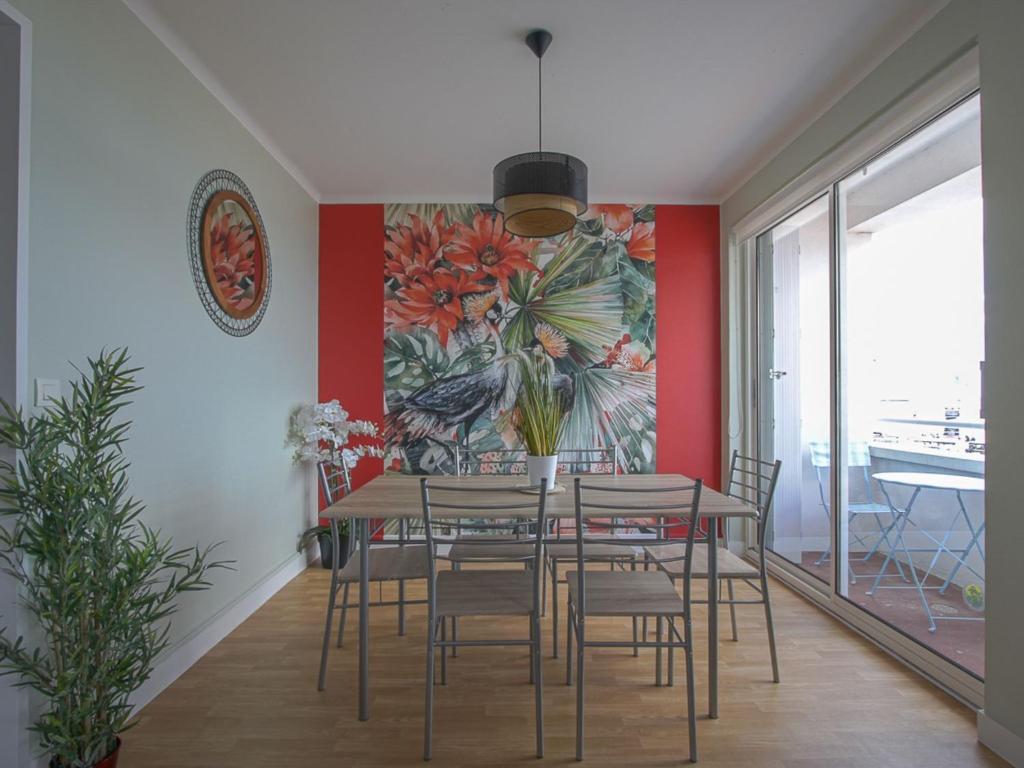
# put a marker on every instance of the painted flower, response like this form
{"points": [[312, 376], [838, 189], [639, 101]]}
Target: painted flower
{"points": [[617, 218], [552, 339], [613, 352], [637, 360], [640, 245], [232, 255], [414, 249], [435, 301], [475, 306], [490, 251]]}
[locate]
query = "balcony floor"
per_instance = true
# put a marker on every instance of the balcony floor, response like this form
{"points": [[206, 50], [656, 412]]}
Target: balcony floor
{"points": [[963, 642]]}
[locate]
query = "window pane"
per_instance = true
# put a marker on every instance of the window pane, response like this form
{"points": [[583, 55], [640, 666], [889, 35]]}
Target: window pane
{"points": [[912, 355], [794, 382]]}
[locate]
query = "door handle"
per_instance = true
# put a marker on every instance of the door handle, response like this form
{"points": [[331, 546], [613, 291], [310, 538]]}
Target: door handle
{"points": [[772, 373]]}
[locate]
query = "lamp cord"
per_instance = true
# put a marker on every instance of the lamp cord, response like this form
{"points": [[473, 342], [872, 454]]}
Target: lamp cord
{"points": [[540, 107]]}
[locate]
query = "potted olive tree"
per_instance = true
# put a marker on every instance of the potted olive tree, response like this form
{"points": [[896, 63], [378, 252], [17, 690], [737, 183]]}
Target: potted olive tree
{"points": [[99, 584], [324, 432], [541, 411]]}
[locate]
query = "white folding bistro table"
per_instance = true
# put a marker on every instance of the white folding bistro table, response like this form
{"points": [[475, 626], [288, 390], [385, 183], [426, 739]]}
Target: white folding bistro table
{"points": [[921, 481], [397, 497]]}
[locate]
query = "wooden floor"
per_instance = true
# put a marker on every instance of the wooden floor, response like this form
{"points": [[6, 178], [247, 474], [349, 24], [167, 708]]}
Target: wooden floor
{"points": [[252, 701]]}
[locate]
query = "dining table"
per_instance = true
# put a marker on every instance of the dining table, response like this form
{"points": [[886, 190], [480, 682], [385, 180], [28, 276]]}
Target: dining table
{"points": [[397, 497]]}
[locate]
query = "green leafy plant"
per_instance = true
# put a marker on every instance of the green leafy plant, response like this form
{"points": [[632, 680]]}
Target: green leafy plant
{"points": [[99, 584], [542, 405]]}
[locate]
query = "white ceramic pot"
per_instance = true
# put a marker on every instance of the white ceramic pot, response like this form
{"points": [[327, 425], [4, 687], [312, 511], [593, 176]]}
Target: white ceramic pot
{"points": [[540, 467]]}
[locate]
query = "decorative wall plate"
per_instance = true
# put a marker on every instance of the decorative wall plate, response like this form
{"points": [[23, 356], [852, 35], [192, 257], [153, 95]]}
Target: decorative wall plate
{"points": [[229, 252]]}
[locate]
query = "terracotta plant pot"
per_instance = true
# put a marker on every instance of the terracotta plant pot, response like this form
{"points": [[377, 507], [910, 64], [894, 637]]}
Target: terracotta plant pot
{"points": [[110, 761]]}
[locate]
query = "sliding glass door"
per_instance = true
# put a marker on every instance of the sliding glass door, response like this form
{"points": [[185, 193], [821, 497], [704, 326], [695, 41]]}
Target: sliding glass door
{"points": [[869, 362], [912, 305], [793, 381]]}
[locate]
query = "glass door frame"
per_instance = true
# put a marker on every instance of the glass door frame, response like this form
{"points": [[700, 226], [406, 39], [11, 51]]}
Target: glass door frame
{"points": [[958, 83]]}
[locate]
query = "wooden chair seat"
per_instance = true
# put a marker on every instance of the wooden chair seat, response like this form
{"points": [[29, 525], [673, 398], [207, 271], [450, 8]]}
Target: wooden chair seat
{"points": [[627, 593], [389, 564], [591, 551], [730, 565], [484, 593], [469, 549]]}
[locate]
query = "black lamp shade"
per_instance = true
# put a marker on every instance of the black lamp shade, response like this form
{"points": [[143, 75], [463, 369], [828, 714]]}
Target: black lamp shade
{"points": [[540, 193]]}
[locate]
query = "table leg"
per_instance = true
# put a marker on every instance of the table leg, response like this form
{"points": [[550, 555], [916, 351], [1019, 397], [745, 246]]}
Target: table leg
{"points": [[973, 543], [901, 542], [364, 619], [712, 618], [901, 522], [401, 582]]}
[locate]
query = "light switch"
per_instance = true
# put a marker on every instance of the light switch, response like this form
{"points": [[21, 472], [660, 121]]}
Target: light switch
{"points": [[47, 391]]}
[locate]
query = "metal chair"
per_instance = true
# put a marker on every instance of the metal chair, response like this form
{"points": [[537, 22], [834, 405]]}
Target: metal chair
{"points": [[457, 593], [601, 461], [646, 594], [859, 457], [583, 461], [400, 562], [753, 481], [512, 461]]}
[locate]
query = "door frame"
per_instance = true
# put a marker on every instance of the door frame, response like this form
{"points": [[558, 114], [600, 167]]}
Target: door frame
{"points": [[18, 698], [957, 82]]}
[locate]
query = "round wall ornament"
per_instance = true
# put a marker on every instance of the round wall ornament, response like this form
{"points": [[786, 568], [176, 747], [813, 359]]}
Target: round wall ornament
{"points": [[229, 252]]}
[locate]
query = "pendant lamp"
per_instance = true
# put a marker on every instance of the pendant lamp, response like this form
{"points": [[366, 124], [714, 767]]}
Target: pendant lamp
{"points": [[540, 193]]}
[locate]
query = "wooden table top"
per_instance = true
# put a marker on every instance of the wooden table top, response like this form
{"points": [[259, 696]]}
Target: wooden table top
{"points": [[398, 496]]}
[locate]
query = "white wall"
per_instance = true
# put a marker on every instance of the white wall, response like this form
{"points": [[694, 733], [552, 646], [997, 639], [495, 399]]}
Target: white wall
{"points": [[996, 25], [121, 133], [1002, 149], [13, 701]]}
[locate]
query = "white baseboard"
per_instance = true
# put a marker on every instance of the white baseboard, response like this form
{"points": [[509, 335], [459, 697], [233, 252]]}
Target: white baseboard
{"points": [[1001, 740], [177, 662]]}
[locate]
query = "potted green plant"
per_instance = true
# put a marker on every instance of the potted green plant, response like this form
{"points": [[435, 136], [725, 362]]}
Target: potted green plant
{"points": [[322, 535], [323, 432], [99, 584], [542, 406]]}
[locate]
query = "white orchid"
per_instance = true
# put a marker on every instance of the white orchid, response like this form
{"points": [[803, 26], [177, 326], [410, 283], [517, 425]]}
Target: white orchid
{"points": [[321, 432]]}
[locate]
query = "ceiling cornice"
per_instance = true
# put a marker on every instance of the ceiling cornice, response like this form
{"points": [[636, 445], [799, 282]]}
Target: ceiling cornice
{"points": [[151, 19]]}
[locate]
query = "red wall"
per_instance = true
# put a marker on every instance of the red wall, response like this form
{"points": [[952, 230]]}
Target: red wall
{"points": [[688, 335], [689, 341], [351, 327]]}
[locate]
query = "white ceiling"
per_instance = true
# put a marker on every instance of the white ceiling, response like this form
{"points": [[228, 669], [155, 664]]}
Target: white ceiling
{"points": [[416, 100]]}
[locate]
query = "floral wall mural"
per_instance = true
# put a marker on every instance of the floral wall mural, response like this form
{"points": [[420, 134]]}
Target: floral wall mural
{"points": [[462, 296]]}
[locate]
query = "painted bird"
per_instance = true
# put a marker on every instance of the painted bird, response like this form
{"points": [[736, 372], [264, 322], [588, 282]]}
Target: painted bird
{"points": [[444, 405]]}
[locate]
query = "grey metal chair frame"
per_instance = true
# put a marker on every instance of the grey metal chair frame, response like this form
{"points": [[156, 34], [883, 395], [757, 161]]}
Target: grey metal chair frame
{"points": [[335, 480], [753, 481], [857, 509], [577, 461], [669, 516], [580, 461], [446, 531]]}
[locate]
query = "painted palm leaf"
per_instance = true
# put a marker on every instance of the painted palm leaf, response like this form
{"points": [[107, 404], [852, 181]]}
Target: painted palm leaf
{"points": [[590, 316], [612, 407], [397, 213]]}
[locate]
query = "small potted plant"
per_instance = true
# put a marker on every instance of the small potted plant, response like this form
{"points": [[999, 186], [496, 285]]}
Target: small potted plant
{"points": [[321, 533], [322, 432], [541, 411], [99, 583]]}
